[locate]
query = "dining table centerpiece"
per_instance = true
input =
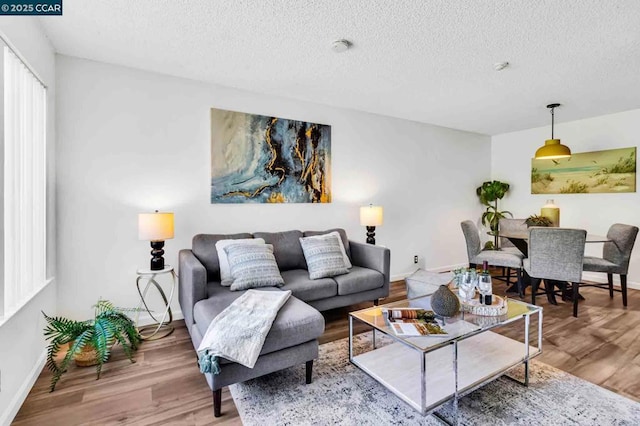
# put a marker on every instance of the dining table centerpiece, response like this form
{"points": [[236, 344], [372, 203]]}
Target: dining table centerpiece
{"points": [[536, 220]]}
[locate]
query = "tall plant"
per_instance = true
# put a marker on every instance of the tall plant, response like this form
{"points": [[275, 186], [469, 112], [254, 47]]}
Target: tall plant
{"points": [[489, 193], [109, 325]]}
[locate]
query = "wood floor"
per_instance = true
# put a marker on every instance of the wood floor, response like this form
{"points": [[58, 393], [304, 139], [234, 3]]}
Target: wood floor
{"points": [[165, 386]]}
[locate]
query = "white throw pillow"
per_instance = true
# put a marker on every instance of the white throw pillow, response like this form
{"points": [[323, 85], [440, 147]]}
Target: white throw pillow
{"points": [[344, 252], [225, 270]]}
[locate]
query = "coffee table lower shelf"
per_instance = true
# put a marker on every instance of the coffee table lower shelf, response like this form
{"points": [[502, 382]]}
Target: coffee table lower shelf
{"points": [[481, 358]]}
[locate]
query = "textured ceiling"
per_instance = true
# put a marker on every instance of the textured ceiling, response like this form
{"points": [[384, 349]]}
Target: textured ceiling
{"points": [[424, 60]]}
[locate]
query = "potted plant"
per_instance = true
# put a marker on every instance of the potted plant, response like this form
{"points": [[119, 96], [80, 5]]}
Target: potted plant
{"points": [[489, 193], [535, 220], [110, 325]]}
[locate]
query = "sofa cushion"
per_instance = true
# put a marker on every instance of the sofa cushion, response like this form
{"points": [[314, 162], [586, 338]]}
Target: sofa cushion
{"points": [[286, 248], [359, 279], [253, 266], [204, 248], [323, 256], [304, 288], [343, 237], [222, 295], [295, 324]]}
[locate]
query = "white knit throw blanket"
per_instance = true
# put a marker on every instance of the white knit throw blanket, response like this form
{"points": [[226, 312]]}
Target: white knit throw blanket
{"points": [[238, 332]]}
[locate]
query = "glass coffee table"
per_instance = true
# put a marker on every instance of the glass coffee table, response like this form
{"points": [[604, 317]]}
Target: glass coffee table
{"points": [[428, 371]]}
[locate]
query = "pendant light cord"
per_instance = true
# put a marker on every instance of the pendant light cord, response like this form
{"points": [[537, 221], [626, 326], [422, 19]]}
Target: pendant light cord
{"points": [[552, 120]]}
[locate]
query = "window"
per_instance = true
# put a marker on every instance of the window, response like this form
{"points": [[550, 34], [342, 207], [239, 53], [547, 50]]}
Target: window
{"points": [[23, 183]]}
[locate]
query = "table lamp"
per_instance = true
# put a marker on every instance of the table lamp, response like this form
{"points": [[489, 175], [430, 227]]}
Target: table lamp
{"points": [[371, 216], [156, 227]]}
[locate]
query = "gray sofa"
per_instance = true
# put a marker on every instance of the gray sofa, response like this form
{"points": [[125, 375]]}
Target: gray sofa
{"points": [[293, 336]]}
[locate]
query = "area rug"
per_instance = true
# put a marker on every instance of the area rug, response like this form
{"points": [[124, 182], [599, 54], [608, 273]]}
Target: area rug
{"points": [[342, 394]]}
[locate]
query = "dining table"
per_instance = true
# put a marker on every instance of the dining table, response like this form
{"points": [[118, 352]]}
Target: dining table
{"points": [[520, 240]]}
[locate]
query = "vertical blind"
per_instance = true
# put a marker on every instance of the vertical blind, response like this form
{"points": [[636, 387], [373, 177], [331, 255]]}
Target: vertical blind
{"points": [[24, 184]]}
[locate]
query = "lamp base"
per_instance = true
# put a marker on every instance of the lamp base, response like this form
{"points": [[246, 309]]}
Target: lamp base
{"points": [[157, 261], [371, 233]]}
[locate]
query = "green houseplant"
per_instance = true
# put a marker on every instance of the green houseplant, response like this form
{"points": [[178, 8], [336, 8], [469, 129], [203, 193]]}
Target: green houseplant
{"points": [[110, 325], [489, 193]]}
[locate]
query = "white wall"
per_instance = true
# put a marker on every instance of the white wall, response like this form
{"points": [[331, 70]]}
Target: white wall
{"points": [[511, 162], [22, 344], [131, 141]]}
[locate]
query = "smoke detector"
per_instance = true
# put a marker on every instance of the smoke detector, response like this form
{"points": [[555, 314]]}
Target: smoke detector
{"points": [[340, 46]]}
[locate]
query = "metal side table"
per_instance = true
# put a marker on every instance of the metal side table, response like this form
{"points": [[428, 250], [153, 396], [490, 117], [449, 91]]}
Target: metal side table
{"points": [[162, 326]]}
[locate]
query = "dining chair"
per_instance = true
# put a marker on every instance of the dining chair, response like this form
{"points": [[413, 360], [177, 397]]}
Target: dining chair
{"points": [[615, 258], [555, 254], [510, 225], [499, 258], [505, 225]]}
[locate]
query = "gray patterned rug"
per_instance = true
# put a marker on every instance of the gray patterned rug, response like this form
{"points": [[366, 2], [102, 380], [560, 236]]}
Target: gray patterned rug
{"points": [[342, 394]]}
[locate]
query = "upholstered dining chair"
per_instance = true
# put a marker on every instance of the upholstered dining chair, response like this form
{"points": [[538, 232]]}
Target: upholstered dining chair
{"points": [[501, 258], [555, 254], [615, 258], [506, 225], [510, 225]]}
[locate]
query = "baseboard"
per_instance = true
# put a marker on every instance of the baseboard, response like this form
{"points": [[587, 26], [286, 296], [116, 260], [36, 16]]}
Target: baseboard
{"points": [[23, 392], [145, 318], [586, 276]]}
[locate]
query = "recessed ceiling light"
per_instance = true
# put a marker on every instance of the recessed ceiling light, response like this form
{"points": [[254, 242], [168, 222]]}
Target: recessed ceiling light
{"points": [[499, 66], [340, 46]]}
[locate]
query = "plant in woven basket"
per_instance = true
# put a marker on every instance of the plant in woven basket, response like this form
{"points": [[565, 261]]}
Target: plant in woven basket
{"points": [[109, 326], [535, 220]]}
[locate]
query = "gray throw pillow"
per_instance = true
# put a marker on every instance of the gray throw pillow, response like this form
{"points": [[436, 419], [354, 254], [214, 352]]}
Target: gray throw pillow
{"points": [[324, 257], [347, 262], [253, 266]]}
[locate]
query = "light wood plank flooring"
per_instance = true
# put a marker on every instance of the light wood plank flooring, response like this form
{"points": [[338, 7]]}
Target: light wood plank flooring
{"points": [[165, 386]]}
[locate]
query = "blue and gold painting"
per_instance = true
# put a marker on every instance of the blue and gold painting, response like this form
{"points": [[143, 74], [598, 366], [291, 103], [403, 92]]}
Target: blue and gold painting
{"points": [[261, 159]]}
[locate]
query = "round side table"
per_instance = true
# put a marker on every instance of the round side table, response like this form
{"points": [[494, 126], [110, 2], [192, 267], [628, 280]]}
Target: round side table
{"points": [[161, 328]]}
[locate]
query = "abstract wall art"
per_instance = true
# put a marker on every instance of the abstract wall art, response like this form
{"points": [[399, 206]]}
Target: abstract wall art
{"points": [[262, 159], [613, 170]]}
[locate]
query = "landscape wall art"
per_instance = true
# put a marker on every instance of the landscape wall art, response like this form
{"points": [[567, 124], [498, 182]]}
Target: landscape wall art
{"points": [[613, 170], [262, 159]]}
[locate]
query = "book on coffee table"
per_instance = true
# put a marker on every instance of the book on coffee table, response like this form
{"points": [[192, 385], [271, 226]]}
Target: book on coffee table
{"points": [[413, 322]]}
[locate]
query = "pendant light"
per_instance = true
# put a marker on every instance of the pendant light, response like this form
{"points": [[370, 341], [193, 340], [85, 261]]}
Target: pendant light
{"points": [[552, 147]]}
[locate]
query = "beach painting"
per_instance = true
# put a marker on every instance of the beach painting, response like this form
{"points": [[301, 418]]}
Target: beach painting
{"points": [[613, 170], [263, 159]]}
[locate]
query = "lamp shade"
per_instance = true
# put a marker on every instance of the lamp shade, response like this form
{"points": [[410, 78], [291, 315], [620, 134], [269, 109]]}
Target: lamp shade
{"points": [[552, 148], [155, 226], [371, 215]]}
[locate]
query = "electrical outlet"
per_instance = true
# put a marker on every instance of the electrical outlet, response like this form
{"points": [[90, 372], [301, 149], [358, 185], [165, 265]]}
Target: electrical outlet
{"points": [[415, 259]]}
